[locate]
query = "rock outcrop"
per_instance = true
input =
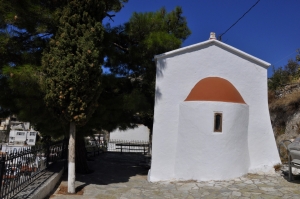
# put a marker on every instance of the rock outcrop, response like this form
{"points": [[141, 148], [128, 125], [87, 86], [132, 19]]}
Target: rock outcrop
{"points": [[284, 109]]}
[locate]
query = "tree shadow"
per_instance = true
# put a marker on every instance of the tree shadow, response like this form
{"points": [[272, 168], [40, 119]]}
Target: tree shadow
{"points": [[112, 168], [158, 94]]}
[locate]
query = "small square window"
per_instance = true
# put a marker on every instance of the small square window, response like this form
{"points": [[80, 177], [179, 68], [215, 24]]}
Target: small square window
{"points": [[218, 122]]}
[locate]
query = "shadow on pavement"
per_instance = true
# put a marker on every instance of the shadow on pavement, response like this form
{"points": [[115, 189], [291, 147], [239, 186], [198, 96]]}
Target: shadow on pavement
{"points": [[112, 168]]}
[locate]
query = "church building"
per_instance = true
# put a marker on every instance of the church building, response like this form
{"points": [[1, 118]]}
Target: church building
{"points": [[211, 116]]}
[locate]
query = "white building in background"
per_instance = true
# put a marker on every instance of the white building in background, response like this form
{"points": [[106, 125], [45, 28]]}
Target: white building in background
{"points": [[140, 133], [133, 140], [20, 133], [17, 137], [211, 116]]}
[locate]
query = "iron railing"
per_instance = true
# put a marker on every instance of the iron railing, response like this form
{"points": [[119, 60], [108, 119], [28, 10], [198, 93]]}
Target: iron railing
{"points": [[132, 146], [19, 168]]}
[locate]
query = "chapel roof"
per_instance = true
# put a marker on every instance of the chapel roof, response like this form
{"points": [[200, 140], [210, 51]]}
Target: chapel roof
{"points": [[215, 42], [215, 89]]}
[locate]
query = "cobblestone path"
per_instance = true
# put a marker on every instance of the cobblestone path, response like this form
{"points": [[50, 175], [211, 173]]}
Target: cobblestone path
{"points": [[117, 179]]}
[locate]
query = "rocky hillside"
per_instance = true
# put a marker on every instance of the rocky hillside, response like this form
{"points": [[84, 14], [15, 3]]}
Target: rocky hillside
{"points": [[284, 106]]}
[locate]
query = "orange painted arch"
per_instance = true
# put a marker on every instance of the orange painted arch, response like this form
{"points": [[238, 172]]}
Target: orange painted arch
{"points": [[215, 89]]}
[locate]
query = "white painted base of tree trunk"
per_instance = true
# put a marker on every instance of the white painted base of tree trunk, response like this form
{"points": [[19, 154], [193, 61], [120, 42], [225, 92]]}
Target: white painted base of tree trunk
{"points": [[71, 177]]}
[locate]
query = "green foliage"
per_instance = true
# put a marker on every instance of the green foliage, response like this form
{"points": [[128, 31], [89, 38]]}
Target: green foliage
{"points": [[25, 31], [279, 79], [131, 49], [24, 87], [31, 15], [73, 64], [26, 99], [290, 73], [22, 41], [118, 105], [25, 28]]}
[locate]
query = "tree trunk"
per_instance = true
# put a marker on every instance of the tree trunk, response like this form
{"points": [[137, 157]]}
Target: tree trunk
{"points": [[81, 156], [71, 166]]}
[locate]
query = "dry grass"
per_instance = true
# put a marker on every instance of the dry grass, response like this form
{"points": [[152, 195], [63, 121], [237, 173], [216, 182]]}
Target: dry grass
{"points": [[290, 101], [295, 80], [277, 167], [271, 96], [280, 130]]}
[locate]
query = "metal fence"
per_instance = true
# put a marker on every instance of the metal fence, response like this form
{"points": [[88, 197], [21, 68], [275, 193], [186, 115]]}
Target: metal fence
{"points": [[19, 168], [132, 146]]}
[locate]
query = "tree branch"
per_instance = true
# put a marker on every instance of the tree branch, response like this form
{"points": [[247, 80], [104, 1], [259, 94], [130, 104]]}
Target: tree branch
{"points": [[121, 47], [110, 16]]}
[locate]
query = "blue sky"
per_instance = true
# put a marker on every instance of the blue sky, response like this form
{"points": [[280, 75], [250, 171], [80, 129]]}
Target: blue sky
{"points": [[270, 31]]}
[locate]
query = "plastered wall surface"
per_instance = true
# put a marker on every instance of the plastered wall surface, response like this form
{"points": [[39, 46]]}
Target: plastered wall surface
{"points": [[177, 74], [211, 155]]}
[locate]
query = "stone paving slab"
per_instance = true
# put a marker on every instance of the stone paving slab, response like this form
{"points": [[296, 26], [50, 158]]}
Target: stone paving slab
{"points": [[116, 179]]}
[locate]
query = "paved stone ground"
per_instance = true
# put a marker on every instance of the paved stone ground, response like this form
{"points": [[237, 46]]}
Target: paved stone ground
{"points": [[117, 178]]}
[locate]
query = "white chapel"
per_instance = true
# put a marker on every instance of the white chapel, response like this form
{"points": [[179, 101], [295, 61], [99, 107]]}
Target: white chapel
{"points": [[211, 116]]}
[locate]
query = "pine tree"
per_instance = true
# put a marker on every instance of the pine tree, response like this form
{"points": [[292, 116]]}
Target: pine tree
{"points": [[119, 101], [73, 69], [25, 30], [25, 27], [132, 47]]}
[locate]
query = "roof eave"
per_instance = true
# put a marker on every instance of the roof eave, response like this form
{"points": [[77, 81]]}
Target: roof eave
{"points": [[221, 44]]}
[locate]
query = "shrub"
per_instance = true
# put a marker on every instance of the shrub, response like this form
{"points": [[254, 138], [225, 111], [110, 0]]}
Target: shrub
{"points": [[277, 167]]}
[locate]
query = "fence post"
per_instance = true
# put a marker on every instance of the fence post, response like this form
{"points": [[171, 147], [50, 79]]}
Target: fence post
{"points": [[47, 154], [2, 170]]}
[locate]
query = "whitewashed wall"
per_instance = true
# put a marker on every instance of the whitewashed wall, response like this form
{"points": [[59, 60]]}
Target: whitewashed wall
{"points": [[178, 72], [203, 154]]}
